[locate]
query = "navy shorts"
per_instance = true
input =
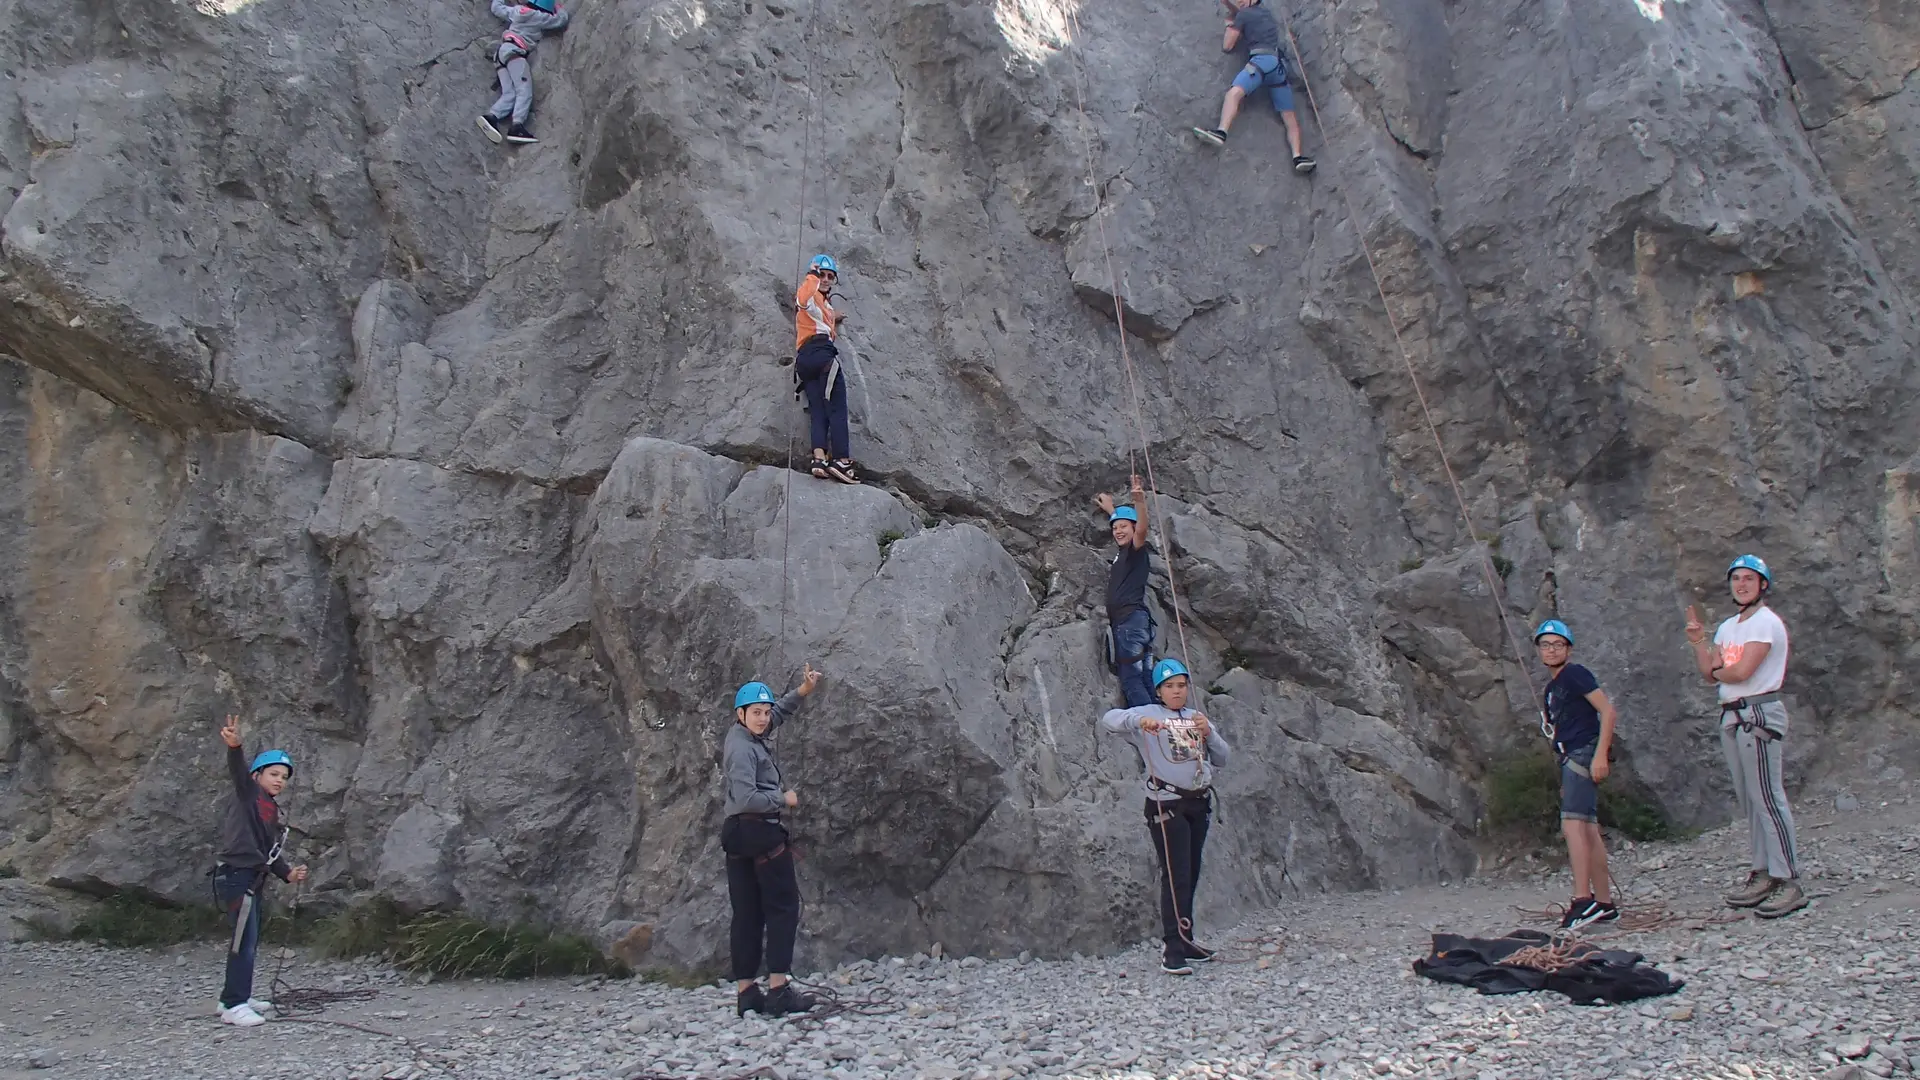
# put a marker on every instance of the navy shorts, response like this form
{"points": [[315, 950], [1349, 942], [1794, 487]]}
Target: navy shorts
{"points": [[1265, 69], [1579, 796]]}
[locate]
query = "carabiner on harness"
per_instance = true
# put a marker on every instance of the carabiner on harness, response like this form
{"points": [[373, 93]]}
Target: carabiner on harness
{"points": [[273, 853]]}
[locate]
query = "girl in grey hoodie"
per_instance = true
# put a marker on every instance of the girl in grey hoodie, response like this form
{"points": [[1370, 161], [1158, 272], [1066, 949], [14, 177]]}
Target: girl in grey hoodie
{"points": [[526, 23], [760, 881], [1179, 750]]}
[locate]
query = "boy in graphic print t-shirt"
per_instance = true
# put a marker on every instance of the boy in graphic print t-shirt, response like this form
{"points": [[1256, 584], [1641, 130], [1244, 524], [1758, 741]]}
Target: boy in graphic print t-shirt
{"points": [[1747, 660]]}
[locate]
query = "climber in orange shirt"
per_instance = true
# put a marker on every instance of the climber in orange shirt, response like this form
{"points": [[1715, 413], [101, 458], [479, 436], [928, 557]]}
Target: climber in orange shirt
{"points": [[816, 367]]}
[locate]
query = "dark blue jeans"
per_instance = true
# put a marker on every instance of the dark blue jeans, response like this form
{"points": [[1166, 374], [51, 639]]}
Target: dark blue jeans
{"points": [[231, 886], [826, 411], [1133, 637]]}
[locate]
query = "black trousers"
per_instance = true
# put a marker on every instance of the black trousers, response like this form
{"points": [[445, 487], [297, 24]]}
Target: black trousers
{"points": [[765, 895], [1178, 829]]}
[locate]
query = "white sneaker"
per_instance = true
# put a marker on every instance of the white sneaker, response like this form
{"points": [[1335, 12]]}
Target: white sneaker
{"points": [[261, 1006], [242, 1016]]}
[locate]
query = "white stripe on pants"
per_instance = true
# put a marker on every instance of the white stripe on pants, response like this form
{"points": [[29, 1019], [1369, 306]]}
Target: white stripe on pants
{"points": [[1756, 765], [516, 92]]}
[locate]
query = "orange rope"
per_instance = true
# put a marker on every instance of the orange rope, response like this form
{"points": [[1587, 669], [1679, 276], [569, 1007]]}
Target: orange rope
{"points": [[1419, 393], [1183, 924]]}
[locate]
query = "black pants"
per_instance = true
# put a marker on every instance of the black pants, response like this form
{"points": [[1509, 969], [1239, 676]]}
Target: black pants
{"points": [[765, 895], [1178, 829], [826, 406]]}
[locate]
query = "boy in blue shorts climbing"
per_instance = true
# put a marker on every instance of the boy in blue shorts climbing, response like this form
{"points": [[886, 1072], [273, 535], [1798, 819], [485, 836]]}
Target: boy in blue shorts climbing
{"points": [[1266, 67], [1580, 722]]}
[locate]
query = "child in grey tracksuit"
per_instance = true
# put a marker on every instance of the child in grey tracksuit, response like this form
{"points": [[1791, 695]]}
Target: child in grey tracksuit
{"points": [[526, 23]]}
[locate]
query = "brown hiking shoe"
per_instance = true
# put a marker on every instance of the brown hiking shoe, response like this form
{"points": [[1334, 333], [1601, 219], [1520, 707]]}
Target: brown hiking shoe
{"points": [[1758, 887], [1785, 900]]}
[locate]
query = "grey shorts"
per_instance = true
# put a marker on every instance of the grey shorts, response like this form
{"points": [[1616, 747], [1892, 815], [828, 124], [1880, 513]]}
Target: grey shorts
{"points": [[1579, 796]]}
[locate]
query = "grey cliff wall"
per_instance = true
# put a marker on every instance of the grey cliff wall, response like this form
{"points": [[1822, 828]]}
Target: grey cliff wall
{"points": [[459, 470]]}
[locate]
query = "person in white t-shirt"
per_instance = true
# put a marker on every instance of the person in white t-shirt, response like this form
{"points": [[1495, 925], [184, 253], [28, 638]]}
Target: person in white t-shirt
{"points": [[1747, 660]]}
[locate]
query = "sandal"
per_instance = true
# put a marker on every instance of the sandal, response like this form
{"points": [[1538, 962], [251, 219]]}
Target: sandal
{"points": [[820, 469], [844, 470]]}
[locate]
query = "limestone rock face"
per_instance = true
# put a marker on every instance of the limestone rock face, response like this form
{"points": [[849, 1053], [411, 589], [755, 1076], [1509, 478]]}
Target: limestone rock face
{"points": [[461, 471]]}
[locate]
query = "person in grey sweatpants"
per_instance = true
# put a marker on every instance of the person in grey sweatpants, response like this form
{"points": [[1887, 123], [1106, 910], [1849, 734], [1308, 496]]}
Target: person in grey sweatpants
{"points": [[1747, 659], [526, 23]]}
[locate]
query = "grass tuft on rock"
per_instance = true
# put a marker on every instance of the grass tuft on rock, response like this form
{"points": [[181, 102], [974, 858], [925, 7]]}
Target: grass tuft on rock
{"points": [[458, 946], [373, 928], [682, 980], [127, 920], [1523, 795], [1523, 800]]}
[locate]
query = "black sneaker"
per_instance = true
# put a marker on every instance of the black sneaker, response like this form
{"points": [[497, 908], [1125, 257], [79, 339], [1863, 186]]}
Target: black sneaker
{"points": [[785, 1001], [1302, 164], [490, 128], [518, 133], [844, 470], [752, 999], [1605, 913], [1578, 911], [1213, 135], [1199, 954], [1173, 963]]}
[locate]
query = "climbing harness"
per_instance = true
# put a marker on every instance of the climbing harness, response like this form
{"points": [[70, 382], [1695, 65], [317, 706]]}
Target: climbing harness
{"points": [[1747, 717], [513, 47]]}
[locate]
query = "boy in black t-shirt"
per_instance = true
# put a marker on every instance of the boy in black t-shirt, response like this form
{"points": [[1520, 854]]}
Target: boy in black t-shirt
{"points": [[1130, 621], [1581, 719]]}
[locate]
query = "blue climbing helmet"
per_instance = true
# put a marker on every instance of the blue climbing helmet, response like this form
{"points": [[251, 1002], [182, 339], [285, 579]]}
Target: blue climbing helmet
{"points": [[272, 757], [1124, 513], [1753, 563], [754, 693], [1167, 669], [823, 262], [1553, 626]]}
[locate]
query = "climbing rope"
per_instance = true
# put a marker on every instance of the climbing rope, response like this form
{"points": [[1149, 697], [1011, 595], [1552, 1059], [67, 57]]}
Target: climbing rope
{"points": [[1557, 955], [793, 435], [829, 1003], [1419, 392], [303, 1005], [1183, 922], [799, 265]]}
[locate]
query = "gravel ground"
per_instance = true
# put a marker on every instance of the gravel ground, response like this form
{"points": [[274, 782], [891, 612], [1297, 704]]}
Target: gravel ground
{"points": [[1321, 987]]}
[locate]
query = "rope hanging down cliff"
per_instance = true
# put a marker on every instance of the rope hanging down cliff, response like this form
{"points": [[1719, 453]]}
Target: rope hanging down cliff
{"points": [[1138, 421], [799, 262], [1183, 920], [1419, 392]]}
